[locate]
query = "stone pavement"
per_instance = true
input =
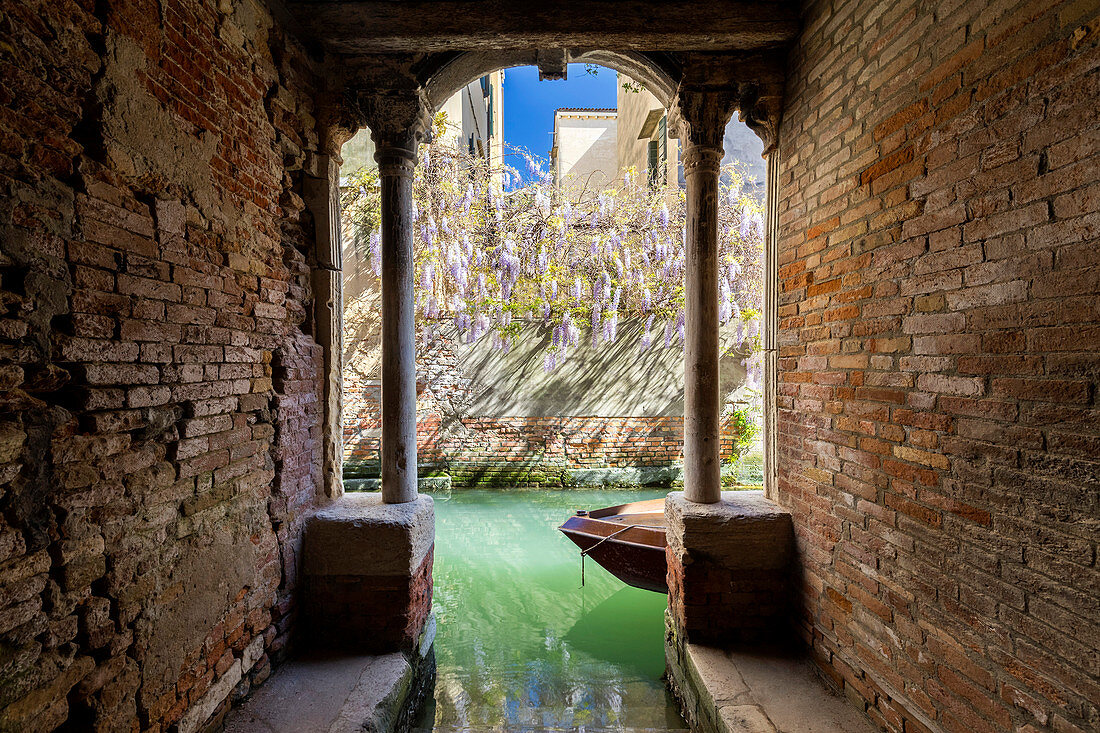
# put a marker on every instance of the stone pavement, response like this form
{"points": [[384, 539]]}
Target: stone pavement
{"points": [[764, 691]]}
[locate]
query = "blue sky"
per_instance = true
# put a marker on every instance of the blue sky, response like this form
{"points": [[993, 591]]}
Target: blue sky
{"points": [[529, 104]]}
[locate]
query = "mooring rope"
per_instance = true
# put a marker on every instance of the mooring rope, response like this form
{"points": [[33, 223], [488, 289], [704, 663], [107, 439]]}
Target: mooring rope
{"points": [[605, 539]]}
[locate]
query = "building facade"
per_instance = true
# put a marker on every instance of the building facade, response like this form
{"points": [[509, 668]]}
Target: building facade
{"points": [[584, 152], [647, 143], [475, 117], [643, 139]]}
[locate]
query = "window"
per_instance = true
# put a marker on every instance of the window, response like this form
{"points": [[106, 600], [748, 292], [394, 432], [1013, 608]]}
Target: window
{"points": [[658, 155], [654, 163]]}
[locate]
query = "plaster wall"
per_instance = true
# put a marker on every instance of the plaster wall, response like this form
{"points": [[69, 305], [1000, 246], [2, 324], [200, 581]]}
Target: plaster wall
{"points": [[634, 107], [586, 149]]}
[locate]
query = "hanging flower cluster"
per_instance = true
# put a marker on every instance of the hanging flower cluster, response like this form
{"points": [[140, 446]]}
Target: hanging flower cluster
{"points": [[495, 251]]}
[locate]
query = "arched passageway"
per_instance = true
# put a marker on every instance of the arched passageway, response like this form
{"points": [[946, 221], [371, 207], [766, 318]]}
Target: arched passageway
{"points": [[397, 106], [394, 93]]}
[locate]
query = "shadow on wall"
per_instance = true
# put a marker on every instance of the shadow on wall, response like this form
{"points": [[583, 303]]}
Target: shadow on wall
{"points": [[478, 380], [618, 379]]}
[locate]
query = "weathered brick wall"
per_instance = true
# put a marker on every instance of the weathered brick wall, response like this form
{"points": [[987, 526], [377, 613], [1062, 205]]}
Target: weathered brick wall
{"points": [[369, 614], [159, 407], [533, 449], [938, 373], [528, 450]]}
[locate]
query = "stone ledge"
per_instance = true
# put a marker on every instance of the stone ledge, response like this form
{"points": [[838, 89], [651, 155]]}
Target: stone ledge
{"points": [[623, 477], [754, 690], [742, 531], [359, 535], [342, 694], [424, 484]]}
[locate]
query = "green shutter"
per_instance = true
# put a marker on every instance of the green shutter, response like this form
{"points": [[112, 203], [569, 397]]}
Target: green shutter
{"points": [[654, 162], [662, 138], [490, 95]]}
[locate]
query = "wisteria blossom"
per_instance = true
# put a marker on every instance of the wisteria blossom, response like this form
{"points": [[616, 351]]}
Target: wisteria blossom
{"points": [[492, 257]]}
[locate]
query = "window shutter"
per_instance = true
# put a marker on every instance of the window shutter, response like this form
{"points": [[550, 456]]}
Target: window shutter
{"points": [[654, 162], [662, 139]]}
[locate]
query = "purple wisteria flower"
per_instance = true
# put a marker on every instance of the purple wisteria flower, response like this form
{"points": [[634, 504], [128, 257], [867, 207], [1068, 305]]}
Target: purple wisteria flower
{"points": [[376, 253], [576, 263]]}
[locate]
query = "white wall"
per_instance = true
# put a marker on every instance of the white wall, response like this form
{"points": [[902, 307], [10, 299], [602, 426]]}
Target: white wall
{"points": [[586, 149], [468, 114]]}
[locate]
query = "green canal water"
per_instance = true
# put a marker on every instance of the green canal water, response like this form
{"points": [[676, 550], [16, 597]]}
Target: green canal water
{"points": [[521, 646]]}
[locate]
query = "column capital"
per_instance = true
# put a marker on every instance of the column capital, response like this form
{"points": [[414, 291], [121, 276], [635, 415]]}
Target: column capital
{"points": [[759, 107], [702, 115], [399, 120], [715, 86]]}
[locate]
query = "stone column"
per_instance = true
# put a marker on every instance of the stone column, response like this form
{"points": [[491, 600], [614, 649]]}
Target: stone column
{"points": [[703, 117], [398, 123], [395, 171]]}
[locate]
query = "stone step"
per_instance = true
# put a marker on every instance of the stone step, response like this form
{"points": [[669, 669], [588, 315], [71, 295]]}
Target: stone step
{"points": [[758, 690]]}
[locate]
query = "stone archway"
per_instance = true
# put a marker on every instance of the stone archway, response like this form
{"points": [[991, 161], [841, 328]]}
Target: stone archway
{"points": [[394, 94], [446, 74]]}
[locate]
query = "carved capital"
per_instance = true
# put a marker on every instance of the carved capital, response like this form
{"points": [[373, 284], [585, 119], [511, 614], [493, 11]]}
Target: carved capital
{"points": [[716, 85], [399, 120], [760, 107], [702, 116]]}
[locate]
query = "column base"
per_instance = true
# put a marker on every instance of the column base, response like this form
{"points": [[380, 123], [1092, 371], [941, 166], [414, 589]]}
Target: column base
{"points": [[729, 568], [368, 573]]}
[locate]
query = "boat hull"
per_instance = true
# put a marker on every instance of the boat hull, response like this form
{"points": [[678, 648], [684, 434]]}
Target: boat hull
{"points": [[628, 544]]}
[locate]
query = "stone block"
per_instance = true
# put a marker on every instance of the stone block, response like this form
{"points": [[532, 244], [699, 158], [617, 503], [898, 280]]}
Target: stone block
{"points": [[359, 535], [368, 573], [742, 531], [729, 567]]}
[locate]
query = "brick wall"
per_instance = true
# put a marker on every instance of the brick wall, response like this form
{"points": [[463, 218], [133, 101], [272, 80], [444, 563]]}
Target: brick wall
{"points": [[159, 407], [370, 614], [938, 374], [475, 448], [528, 450]]}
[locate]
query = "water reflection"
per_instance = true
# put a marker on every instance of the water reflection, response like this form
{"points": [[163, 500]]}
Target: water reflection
{"points": [[520, 644]]}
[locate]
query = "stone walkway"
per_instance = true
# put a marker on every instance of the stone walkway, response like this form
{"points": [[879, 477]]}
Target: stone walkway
{"points": [[334, 693], [760, 692], [339, 693]]}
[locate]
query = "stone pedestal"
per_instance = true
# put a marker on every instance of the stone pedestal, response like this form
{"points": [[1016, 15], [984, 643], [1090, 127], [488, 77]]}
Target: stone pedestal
{"points": [[729, 567], [368, 573]]}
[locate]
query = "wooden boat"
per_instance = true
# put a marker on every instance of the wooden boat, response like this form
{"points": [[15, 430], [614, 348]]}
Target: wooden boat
{"points": [[627, 540]]}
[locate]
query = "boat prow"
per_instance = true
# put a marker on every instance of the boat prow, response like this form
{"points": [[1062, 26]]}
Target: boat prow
{"points": [[626, 540]]}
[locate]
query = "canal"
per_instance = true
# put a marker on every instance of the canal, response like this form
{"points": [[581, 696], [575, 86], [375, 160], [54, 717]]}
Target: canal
{"points": [[521, 646]]}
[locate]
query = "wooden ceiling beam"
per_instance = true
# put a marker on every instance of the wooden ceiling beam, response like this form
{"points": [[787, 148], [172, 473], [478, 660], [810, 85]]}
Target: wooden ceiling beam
{"points": [[418, 26]]}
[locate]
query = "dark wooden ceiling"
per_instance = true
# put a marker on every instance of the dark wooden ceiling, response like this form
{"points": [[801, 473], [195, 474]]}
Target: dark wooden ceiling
{"points": [[351, 27]]}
